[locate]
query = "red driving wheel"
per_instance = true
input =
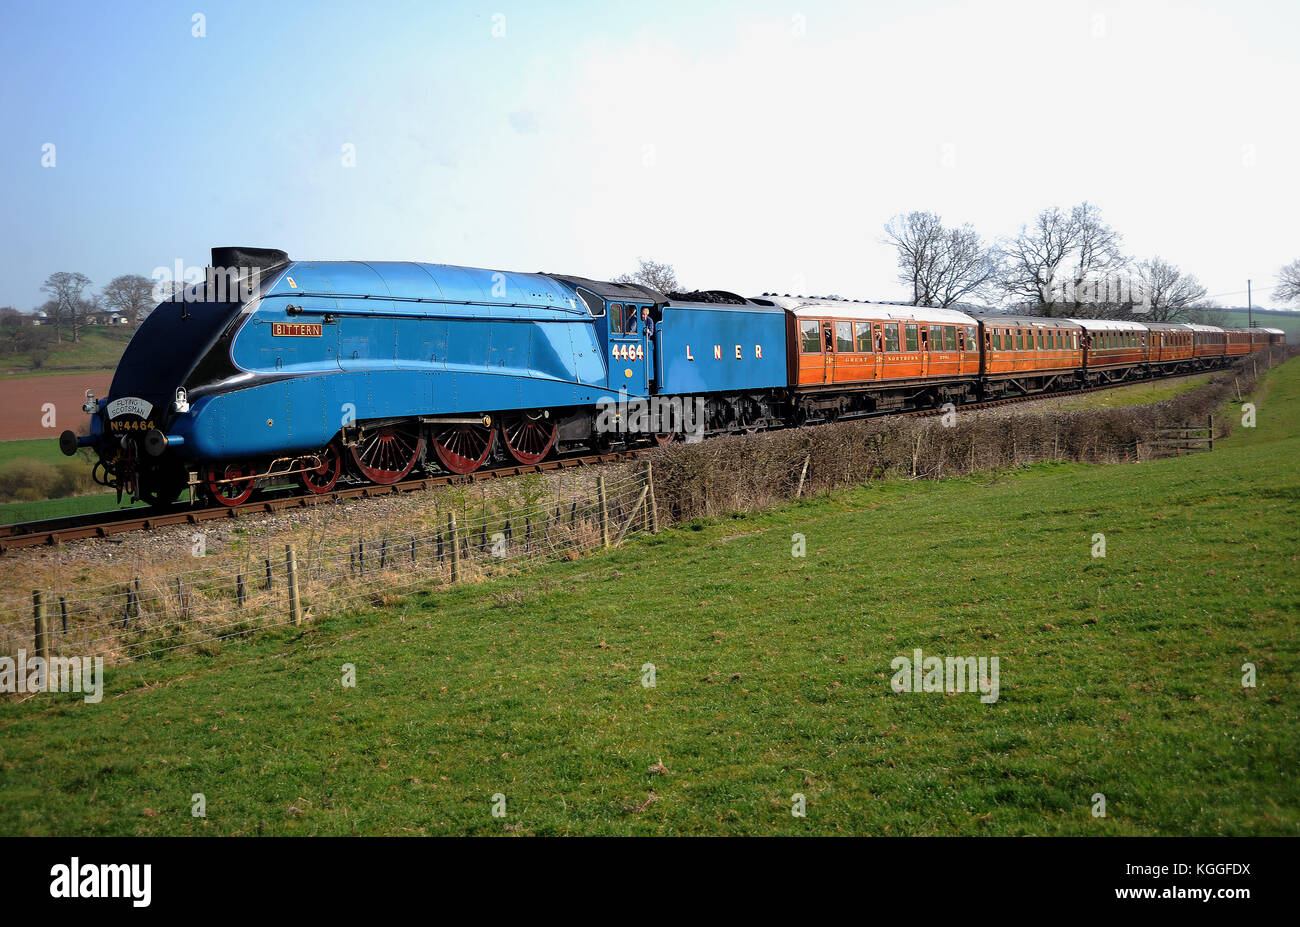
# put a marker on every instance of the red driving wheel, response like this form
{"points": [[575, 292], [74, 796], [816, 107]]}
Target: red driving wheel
{"points": [[463, 448], [528, 438], [231, 484], [322, 471], [384, 455]]}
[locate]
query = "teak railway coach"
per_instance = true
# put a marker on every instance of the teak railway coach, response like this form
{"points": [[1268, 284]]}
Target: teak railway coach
{"points": [[314, 372]]}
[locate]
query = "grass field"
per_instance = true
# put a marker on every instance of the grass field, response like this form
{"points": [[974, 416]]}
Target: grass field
{"points": [[41, 449], [1137, 394], [1289, 322], [46, 451], [1118, 675], [14, 512], [98, 348]]}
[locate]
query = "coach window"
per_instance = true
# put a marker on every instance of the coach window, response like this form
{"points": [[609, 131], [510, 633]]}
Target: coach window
{"points": [[1040, 339], [949, 338], [844, 337], [862, 337], [911, 336], [925, 339], [828, 338], [1020, 339], [809, 340], [891, 336], [616, 317]]}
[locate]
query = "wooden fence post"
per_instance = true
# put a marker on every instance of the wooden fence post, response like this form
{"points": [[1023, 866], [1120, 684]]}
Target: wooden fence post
{"points": [[802, 475], [63, 611], [241, 590], [1211, 431], [291, 567], [42, 628], [268, 573], [604, 511], [631, 516], [454, 538], [650, 522]]}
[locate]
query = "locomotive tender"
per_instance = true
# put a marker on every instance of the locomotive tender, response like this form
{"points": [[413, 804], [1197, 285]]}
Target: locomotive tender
{"points": [[306, 371]]}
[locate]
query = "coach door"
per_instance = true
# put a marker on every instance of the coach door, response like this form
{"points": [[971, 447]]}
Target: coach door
{"points": [[628, 359]]}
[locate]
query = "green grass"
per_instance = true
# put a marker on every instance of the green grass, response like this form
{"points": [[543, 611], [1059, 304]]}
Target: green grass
{"points": [[1289, 322], [14, 512], [1118, 675], [1137, 394], [41, 449], [98, 348]]}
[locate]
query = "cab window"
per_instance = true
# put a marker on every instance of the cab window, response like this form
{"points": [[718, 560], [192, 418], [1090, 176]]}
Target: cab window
{"points": [[616, 317], [844, 337], [862, 336], [629, 319], [809, 339]]}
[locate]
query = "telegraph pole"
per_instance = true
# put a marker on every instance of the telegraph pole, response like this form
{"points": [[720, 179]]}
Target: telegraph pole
{"points": [[1250, 312]]}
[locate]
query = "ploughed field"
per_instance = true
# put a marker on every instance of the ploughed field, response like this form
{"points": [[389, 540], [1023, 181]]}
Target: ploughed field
{"points": [[1119, 675], [23, 412]]}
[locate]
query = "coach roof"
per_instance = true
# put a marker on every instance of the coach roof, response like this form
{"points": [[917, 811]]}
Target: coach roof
{"points": [[1033, 320], [818, 308], [1110, 325]]}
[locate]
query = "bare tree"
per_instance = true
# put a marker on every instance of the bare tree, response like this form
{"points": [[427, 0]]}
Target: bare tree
{"points": [[1288, 286], [1208, 312], [65, 289], [1065, 263], [1170, 295], [130, 296], [657, 276], [940, 265]]}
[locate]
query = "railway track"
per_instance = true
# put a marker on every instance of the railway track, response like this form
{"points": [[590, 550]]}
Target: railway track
{"points": [[104, 524]]}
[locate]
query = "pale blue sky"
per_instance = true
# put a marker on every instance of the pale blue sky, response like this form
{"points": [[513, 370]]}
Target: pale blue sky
{"points": [[756, 146]]}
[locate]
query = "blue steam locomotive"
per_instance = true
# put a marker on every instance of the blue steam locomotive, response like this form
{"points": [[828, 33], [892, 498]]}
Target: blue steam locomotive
{"points": [[273, 370]]}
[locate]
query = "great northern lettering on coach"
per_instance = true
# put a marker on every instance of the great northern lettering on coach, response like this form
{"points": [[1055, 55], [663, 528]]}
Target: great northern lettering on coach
{"points": [[342, 371]]}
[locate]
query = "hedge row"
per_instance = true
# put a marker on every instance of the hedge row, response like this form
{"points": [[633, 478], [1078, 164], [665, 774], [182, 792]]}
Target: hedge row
{"points": [[743, 473]]}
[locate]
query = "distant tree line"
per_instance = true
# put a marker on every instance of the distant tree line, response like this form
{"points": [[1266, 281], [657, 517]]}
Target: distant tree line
{"points": [[69, 309], [1066, 262]]}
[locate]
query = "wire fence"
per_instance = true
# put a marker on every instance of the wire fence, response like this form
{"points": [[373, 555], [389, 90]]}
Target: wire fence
{"points": [[168, 608]]}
